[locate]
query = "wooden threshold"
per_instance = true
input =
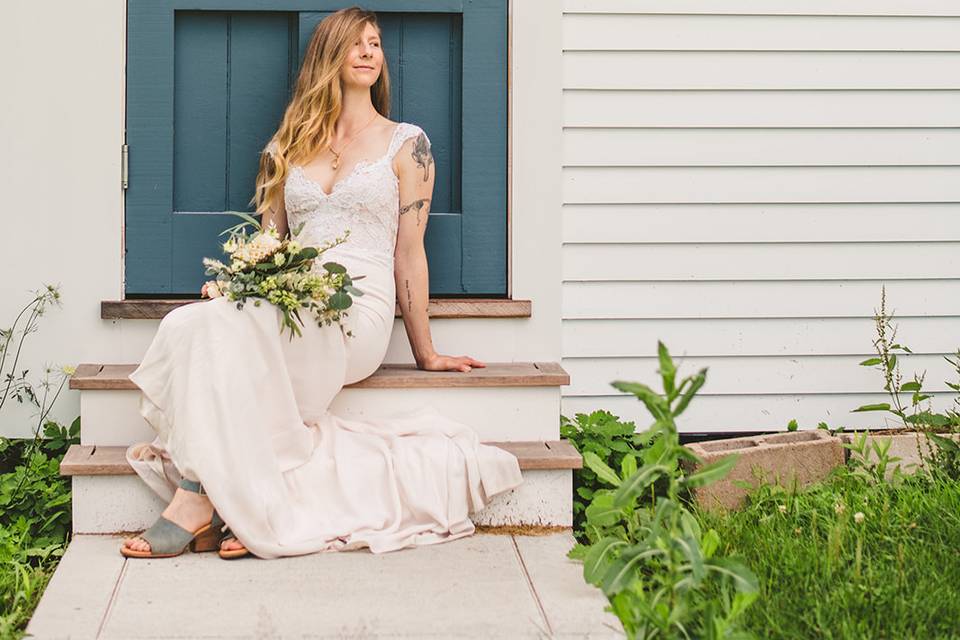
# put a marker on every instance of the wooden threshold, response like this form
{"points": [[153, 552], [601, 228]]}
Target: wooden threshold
{"points": [[436, 308], [98, 460], [388, 376]]}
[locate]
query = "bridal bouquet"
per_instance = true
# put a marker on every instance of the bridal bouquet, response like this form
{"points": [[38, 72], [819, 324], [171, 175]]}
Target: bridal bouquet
{"points": [[265, 267]]}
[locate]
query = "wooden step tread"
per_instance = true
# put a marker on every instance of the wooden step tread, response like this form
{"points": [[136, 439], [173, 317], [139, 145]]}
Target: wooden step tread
{"points": [[154, 309], [95, 460], [388, 376]]}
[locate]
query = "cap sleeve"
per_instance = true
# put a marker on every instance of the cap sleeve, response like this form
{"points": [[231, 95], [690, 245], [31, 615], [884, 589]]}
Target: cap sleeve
{"points": [[405, 131]]}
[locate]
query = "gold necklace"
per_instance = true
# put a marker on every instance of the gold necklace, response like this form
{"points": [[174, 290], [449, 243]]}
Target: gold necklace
{"points": [[336, 155]]}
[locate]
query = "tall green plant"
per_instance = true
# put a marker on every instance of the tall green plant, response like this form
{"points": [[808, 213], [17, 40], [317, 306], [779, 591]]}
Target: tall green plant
{"points": [[645, 549], [908, 400]]}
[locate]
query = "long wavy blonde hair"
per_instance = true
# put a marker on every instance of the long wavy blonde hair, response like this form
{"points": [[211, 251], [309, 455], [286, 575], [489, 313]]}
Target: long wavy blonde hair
{"points": [[308, 121]]}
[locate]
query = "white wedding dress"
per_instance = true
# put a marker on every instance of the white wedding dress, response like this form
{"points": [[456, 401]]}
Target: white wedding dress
{"points": [[244, 410]]}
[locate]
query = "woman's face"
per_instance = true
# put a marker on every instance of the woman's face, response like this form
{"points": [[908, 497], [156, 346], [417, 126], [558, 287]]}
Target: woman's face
{"points": [[365, 60]]}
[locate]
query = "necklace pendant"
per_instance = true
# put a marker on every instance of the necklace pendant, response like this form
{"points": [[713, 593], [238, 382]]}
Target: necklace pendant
{"points": [[336, 163]]}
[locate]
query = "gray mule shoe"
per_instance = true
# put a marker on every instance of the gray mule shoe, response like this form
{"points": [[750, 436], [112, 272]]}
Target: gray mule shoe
{"points": [[168, 539]]}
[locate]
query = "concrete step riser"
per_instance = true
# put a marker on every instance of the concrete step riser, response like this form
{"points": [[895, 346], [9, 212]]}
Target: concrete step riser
{"points": [[115, 503], [507, 414], [486, 339]]}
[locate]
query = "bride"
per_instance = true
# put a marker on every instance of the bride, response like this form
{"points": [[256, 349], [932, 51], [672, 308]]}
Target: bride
{"points": [[244, 435]]}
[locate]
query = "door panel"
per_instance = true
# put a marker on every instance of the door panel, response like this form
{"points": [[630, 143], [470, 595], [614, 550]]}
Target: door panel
{"points": [[207, 87]]}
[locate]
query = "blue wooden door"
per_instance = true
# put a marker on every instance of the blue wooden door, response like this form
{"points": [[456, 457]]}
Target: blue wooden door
{"points": [[207, 82]]}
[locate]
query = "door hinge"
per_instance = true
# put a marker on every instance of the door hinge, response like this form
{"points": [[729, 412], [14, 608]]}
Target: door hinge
{"points": [[124, 165]]}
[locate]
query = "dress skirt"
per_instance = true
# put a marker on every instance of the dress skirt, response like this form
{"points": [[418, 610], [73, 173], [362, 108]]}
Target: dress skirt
{"points": [[244, 410]]}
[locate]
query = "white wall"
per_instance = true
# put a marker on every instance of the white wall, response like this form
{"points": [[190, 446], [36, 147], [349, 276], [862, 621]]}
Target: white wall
{"points": [[61, 122], [61, 129], [740, 178]]}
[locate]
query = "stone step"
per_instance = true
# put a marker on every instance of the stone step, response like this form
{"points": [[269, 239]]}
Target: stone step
{"points": [[154, 309], [389, 376], [98, 460], [504, 401], [102, 479]]}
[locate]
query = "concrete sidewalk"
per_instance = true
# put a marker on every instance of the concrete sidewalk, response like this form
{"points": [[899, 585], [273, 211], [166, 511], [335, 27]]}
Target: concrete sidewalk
{"points": [[482, 586]]}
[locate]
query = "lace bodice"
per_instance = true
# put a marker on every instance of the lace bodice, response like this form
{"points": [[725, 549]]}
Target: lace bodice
{"points": [[365, 201]]}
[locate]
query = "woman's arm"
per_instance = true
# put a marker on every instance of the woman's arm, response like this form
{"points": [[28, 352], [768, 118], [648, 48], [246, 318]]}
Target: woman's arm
{"points": [[276, 216], [414, 166]]}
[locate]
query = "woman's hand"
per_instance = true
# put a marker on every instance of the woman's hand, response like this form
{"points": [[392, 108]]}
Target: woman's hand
{"points": [[438, 362]]}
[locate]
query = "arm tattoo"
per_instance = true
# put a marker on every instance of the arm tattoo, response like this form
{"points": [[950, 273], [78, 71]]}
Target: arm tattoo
{"points": [[420, 205], [409, 297], [421, 154]]}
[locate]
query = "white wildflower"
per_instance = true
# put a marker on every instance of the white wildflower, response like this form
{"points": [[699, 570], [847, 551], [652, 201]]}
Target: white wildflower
{"points": [[839, 508], [782, 508], [858, 517]]}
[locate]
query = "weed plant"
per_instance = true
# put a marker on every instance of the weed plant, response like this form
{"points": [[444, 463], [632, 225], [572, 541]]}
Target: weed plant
{"points": [[663, 573], [35, 507]]}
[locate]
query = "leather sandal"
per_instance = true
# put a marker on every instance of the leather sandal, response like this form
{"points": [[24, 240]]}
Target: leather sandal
{"points": [[168, 539], [231, 553]]}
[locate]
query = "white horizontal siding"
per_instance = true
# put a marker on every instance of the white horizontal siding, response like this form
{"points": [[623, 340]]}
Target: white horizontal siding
{"points": [[762, 299], [740, 180], [755, 375], [648, 32], [775, 261], [616, 185], [760, 70], [761, 222], [614, 338], [760, 147], [761, 109], [768, 7]]}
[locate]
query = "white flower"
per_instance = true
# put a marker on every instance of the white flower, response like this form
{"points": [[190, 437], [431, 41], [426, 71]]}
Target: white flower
{"points": [[262, 246], [839, 508], [214, 264], [279, 259], [858, 517], [783, 508]]}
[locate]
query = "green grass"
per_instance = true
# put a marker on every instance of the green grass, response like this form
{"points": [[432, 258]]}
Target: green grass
{"points": [[895, 574]]}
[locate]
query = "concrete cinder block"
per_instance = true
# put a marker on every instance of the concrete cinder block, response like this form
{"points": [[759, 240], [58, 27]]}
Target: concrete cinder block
{"points": [[794, 456], [906, 446]]}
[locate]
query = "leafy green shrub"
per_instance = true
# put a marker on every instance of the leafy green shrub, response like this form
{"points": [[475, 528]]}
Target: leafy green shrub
{"points": [[35, 521], [602, 434], [644, 548]]}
